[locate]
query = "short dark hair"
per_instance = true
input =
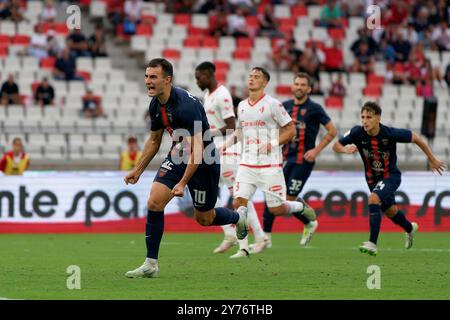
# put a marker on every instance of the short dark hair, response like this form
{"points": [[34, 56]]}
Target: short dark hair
{"points": [[206, 66], [165, 65], [16, 140], [304, 75], [265, 73], [132, 139], [371, 106]]}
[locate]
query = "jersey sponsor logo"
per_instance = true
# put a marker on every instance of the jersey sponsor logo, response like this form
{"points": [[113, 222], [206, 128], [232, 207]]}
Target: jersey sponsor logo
{"points": [[257, 123], [167, 165]]}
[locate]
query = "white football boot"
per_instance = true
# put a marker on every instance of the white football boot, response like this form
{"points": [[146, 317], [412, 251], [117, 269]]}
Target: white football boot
{"points": [[369, 247], [226, 244], [409, 236], [241, 225], [147, 270], [242, 253], [308, 232], [259, 246]]}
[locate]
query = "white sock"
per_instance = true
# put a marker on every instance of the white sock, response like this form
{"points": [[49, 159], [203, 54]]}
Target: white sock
{"points": [[229, 231], [268, 235], [254, 223], [150, 261], [293, 206], [243, 244]]}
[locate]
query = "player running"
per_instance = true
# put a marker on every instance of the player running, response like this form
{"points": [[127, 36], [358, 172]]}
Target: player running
{"points": [[191, 162], [301, 152], [376, 144], [264, 125], [219, 111]]}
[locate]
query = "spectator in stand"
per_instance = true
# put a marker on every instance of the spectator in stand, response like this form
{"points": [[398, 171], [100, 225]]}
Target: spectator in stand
{"points": [[413, 67], [364, 36], [337, 88], [421, 19], [310, 62], [132, 11], [387, 51], [9, 92], [65, 67], [97, 43], [433, 73], [235, 96], [38, 43], [402, 47], [184, 6], [49, 13], [130, 157], [331, 15], [237, 24], [11, 11], [441, 13], [397, 13], [268, 26], [219, 25], [92, 107], [441, 36], [208, 6], [53, 47], [15, 161], [248, 6], [352, 8], [115, 12], [334, 58], [44, 94], [409, 34], [77, 44], [364, 60]]}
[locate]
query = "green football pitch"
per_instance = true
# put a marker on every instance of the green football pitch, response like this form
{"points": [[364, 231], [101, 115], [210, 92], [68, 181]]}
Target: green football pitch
{"points": [[35, 267]]}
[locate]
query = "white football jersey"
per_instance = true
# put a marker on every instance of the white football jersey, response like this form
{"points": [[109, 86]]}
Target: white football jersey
{"points": [[218, 107], [260, 123]]}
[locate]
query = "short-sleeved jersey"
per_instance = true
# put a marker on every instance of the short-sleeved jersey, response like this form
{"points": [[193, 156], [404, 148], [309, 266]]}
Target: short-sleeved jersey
{"points": [[218, 106], [260, 123], [182, 112], [307, 118], [379, 153]]}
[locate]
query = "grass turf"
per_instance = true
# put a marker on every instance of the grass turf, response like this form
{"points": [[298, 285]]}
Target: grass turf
{"points": [[34, 267]]}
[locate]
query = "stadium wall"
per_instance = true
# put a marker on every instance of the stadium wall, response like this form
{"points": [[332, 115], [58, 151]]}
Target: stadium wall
{"points": [[78, 202]]}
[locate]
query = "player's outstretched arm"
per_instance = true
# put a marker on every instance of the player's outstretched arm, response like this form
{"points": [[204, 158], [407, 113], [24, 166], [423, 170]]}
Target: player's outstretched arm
{"points": [[331, 134], [151, 148], [339, 148], [195, 159], [436, 164]]}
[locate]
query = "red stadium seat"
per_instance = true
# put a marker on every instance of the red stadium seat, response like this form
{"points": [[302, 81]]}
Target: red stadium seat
{"points": [[210, 42], [252, 21], [84, 74], [3, 51], [221, 76], [48, 63], [244, 43], [299, 10], [374, 79], [287, 23], [21, 39], [147, 19], [195, 31], [193, 42], [241, 54], [34, 86], [372, 91], [61, 28], [319, 44], [4, 39], [183, 19], [221, 65], [172, 54], [283, 90], [144, 29], [333, 102], [336, 33]]}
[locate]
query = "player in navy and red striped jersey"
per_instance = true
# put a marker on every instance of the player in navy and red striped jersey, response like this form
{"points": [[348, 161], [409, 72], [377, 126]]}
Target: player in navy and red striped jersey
{"points": [[376, 144], [187, 164], [301, 152]]}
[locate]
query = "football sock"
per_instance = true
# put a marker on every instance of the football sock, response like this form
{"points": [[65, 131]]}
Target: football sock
{"points": [[301, 217], [229, 231], [268, 219], [400, 219], [243, 244], [154, 230], [375, 222], [254, 223], [294, 206], [225, 216]]}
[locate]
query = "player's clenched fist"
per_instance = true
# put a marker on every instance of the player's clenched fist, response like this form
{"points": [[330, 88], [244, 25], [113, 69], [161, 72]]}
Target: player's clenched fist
{"points": [[132, 177], [351, 149], [178, 190]]}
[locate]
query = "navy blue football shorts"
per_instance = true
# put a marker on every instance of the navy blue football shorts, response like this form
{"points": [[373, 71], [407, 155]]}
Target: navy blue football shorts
{"points": [[296, 175], [203, 186], [385, 190]]}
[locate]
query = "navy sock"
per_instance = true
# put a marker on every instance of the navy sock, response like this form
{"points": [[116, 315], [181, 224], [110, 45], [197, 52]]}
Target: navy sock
{"points": [[225, 216], [400, 219], [301, 217], [154, 230], [375, 222], [268, 219]]}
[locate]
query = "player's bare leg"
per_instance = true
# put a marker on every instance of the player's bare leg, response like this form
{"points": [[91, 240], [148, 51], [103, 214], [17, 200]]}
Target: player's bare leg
{"points": [[160, 195]]}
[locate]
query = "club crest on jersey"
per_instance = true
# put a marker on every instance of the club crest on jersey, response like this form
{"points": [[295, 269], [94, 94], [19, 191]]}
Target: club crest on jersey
{"points": [[162, 172], [261, 109], [302, 112]]}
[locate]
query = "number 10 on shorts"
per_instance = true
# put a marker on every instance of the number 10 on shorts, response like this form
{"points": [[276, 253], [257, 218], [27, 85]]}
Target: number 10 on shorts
{"points": [[199, 196]]}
